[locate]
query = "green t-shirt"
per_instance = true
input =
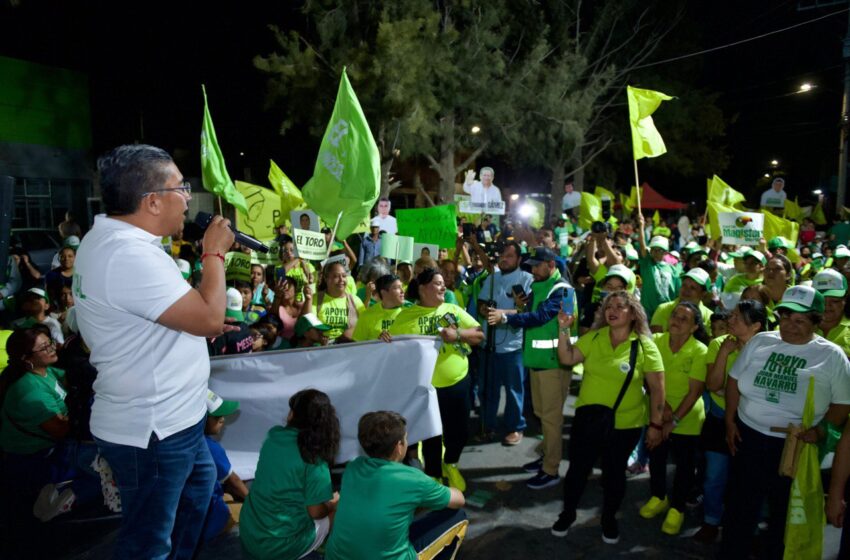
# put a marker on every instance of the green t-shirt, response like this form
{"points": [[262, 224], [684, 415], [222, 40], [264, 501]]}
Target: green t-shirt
{"points": [[605, 370], [739, 283], [274, 522], [377, 501], [452, 364], [334, 312], [450, 297], [661, 317], [839, 334], [31, 401], [679, 368], [373, 321], [660, 284], [297, 274], [841, 230], [719, 397]]}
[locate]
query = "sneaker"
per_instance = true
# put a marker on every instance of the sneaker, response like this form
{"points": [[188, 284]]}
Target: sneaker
{"points": [[673, 522], [534, 466], [452, 473], [654, 507], [707, 534], [513, 438], [562, 525], [610, 531], [542, 480], [636, 469]]}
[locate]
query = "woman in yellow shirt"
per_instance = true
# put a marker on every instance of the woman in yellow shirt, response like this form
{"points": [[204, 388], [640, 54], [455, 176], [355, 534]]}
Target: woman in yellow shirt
{"points": [[619, 336], [334, 306], [683, 351], [432, 316], [376, 321]]}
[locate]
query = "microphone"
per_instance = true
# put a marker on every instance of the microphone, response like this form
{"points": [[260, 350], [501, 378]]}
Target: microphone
{"points": [[203, 220]]}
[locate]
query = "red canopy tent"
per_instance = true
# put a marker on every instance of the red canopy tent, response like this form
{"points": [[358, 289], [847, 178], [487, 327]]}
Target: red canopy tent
{"points": [[652, 200]]}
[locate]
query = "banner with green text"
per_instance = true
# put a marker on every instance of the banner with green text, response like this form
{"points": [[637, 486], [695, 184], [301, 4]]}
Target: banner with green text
{"points": [[437, 225], [741, 228]]}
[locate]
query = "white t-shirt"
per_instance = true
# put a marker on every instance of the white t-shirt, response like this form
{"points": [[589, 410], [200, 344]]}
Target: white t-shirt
{"points": [[571, 200], [150, 378], [478, 193], [772, 199], [388, 223], [773, 378]]}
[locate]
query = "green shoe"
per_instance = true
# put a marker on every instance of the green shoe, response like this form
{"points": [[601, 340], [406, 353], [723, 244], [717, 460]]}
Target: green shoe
{"points": [[673, 522], [452, 473], [654, 507]]}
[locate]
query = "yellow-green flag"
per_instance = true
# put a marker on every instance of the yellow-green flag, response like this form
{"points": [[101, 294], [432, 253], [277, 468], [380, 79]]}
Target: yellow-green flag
{"points": [[626, 204], [601, 192], [589, 211], [774, 226], [818, 215], [263, 214], [347, 175], [213, 170], [290, 195], [713, 209], [538, 214], [793, 210], [656, 219], [646, 140], [720, 191], [806, 518]]}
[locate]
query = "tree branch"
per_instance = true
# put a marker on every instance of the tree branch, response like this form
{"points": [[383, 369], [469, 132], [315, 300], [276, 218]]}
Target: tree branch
{"points": [[471, 158]]}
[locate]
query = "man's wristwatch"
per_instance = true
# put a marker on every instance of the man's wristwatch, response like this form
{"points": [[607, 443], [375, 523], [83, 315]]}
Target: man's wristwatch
{"points": [[504, 320]]}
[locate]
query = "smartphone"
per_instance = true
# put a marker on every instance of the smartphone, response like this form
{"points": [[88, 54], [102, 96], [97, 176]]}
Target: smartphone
{"points": [[518, 290], [468, 229], [567, 301]]}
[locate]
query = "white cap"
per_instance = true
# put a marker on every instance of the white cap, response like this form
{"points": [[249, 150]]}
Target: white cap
{"points": [[234, 305], [184, 266], [659, 242], [699, 276]]}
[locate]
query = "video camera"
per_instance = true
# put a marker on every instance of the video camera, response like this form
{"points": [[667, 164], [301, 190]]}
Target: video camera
{"points": [[604, 226]]}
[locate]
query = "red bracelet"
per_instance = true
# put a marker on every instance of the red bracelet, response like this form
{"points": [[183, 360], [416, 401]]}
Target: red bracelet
{"points": [[219, 255], [658, 427]]}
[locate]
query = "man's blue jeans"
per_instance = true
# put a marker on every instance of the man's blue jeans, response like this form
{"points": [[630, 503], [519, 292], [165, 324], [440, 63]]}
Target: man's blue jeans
{"points": [[165, 493], [504, 369]]}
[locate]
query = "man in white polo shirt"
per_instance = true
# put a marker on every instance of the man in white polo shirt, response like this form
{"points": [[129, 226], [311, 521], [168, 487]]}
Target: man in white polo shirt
{"points": [[146, 327]]}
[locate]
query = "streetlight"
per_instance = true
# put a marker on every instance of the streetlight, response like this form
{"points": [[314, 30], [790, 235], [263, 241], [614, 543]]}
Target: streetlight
{"points": [[475, 129], [514, 197], [774, 162], [804, 87], [817, 191], [767, 175]]}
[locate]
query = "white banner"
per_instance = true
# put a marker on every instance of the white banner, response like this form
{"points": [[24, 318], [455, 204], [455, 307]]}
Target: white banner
{"points": [[469, 207], [358, 378], [741, 228], [311, 245]]}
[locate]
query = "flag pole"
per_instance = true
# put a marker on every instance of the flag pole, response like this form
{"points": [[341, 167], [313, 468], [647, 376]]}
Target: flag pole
{"points": [[220, 209], [637, 188], [333, 235]]}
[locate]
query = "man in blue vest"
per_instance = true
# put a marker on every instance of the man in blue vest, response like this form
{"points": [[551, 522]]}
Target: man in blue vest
{"points": [[550, 381]]}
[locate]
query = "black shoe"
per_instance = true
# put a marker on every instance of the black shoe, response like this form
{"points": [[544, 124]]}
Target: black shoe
{"points": [[563, 524], [534, 466], [610, 531]]}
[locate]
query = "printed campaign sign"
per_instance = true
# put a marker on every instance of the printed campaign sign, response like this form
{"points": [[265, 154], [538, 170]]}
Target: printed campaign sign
{"points": [[309, 244], [237, 266], [304, 219], [469, 207], [397, 247], [421, 250], [741, 228]]}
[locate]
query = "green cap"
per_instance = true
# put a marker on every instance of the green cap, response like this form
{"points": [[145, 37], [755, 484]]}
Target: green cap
{"points": [[830, 283], [625, 274], [802, 299], [217, 406]]}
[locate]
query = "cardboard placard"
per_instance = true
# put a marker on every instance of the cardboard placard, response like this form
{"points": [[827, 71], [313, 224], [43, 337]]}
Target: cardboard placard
{"points": [[421, 250], [741, 228], [397, 247], [310, 244], [305, 217], [237, 266], [437, 225], [469, 207]]}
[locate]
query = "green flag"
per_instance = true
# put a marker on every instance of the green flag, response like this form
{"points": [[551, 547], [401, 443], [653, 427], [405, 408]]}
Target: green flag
{"points": [[646, 140], [347, 175], [290, 195], [213, 171], [589, 210]]}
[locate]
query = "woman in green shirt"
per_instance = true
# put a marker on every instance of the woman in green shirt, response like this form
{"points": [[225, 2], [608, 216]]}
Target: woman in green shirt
{"points": [[606, 352], [433, 316], [683, 351], [747, 319], [290, 508], [33, 429]]}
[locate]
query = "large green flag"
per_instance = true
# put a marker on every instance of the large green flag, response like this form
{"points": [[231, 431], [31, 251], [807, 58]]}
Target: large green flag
{"points": [[720, 191], [589, 210], [213, 171], [646, 140], [347, 175], [290, 196]]}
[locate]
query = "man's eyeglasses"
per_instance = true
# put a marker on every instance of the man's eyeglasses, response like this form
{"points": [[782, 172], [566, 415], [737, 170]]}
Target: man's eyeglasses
{"points": [[44, 347], [185, 189]]}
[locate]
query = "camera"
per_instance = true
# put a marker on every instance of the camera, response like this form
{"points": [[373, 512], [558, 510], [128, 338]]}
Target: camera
{"points": [[599, 227], [606, 209], [468, 229]]}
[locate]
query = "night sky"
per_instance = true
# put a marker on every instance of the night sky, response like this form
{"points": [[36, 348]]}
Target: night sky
{"points": [[146, 62]]}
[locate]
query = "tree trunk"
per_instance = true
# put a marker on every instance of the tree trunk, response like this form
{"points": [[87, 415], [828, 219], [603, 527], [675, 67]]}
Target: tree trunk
{"points": [[386, 165], [447, 162], [576, 160]]}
